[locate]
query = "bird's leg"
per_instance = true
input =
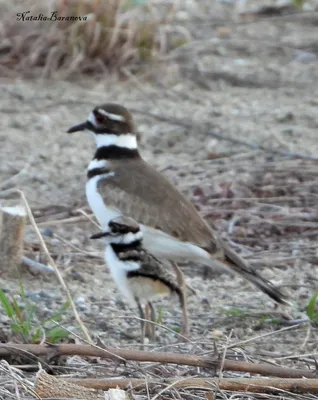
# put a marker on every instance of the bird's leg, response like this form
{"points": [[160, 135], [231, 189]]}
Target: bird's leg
{"points": [[142, 322], [149, 331], [153, 319], [185, 317]]}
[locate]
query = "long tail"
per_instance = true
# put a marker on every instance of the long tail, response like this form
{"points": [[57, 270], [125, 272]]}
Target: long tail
{"points": [[237, 264]]}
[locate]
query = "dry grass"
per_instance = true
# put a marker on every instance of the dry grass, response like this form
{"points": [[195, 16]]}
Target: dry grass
{"points": [[184, 380], [264, 204], [89, 36]]}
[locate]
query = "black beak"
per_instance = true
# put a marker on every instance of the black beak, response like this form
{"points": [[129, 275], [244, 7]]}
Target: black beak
{"points": [[79, 127], [99, 235]]}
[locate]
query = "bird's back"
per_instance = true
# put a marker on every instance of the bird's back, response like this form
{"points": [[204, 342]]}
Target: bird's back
{"points": [[152, 200]]}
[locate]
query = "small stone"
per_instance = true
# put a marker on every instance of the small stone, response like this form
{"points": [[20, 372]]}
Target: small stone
{"points": [[47, 294], [17, 125], [284, 116], [216, 334], [36, 297], [77, 276], [306, 57], [212, 145], [205, 301], [55, 242], [120, 303], [198, 192], [182, 16], [241, 62], [47, 232], [288, 130], [80, 300], [223, 32]]}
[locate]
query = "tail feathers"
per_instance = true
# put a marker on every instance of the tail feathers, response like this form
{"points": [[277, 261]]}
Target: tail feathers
{"points": [[240, 266]]}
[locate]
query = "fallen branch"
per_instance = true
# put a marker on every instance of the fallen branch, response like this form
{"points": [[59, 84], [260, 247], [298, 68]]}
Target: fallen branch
{"points": [[48, 386], [8, 349], [14, 178], [35, 267], [263, 385]]}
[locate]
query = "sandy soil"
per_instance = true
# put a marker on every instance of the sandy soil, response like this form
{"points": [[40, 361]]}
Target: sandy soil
{"points": [[265, 204]]}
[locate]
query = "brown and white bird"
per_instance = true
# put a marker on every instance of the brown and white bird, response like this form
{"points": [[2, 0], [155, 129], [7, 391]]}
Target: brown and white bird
{"points": [[139, 275], [120, 182]]}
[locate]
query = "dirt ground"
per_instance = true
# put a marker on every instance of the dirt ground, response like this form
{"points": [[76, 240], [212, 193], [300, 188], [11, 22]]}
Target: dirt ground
{"points": [[255, 81]]}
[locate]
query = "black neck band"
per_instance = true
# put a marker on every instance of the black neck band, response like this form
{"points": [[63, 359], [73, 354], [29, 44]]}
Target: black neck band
{"points": [[122, 247], [97, 171], [115, 152]]}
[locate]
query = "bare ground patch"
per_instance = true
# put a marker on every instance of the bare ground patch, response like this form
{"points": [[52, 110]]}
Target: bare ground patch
{"points": [[264, 204]]}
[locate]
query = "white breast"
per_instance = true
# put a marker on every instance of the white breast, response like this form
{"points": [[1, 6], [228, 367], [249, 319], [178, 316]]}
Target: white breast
{"points": [[104, 213], [118, 270], [142, 288]]}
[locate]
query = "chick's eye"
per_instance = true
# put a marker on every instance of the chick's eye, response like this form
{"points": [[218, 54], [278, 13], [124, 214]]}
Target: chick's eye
{"points": [[114, 226], [100, 118]]}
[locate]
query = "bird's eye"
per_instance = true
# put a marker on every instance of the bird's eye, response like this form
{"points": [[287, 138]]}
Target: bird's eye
{"points": [[100, 118], [115, 227]]}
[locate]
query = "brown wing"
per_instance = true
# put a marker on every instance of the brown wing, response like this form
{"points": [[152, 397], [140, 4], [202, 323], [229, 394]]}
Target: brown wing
{"points": [[142, 193], [150, 265], [152, 268]]}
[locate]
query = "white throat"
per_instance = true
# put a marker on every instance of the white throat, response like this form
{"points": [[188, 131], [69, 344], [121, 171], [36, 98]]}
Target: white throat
{"points": [[127, 140], [127, 238]]}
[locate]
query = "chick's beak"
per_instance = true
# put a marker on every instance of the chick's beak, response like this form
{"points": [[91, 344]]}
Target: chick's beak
{"points": [[99, 235]]}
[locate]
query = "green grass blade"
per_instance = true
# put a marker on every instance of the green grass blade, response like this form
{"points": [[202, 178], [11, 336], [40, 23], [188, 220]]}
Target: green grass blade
{"points": [[311, 308], [6, 304]]}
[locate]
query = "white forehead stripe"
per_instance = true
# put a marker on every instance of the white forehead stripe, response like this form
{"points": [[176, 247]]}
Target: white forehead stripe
{"points": [[114, 117], [91, 118]]}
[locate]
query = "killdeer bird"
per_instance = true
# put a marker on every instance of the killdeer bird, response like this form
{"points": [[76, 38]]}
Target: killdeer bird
{"points": [[120, 182], [137, 273]]}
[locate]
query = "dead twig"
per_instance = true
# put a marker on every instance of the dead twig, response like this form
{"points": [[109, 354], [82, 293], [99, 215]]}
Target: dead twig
{"points": [[16, 176], [49, 386], [70, 220], [7, 349], [36, 267], [271, 385]]}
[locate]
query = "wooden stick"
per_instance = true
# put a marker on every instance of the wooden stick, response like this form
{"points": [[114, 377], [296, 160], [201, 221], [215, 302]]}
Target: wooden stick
{"points": [[48, 386], [35, 267], [271, 385], [12, 224], [8, 349], [185, 314]]}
